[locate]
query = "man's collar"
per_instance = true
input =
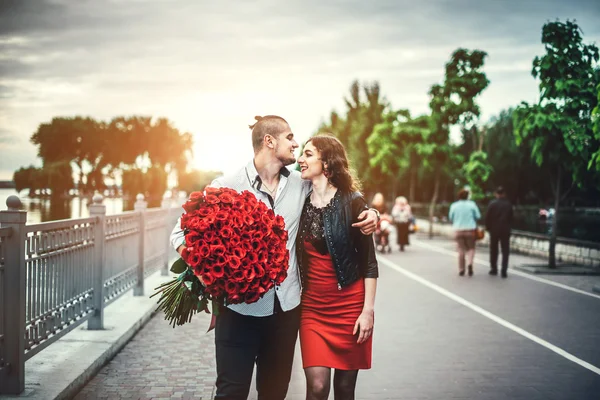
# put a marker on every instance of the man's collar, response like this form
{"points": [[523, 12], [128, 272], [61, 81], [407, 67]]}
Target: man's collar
{"points": [[254, 177]]}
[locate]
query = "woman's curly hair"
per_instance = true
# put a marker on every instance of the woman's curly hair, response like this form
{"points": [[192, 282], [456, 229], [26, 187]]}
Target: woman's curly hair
{"points": [[333, 154]]}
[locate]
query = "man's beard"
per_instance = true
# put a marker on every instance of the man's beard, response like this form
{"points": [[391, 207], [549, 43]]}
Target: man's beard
{"points": [[288, 161]]}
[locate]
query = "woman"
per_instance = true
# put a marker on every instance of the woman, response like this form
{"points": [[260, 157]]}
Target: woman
{"points": [[402, 215], [338, 271], [464, 215], [384, 225]]}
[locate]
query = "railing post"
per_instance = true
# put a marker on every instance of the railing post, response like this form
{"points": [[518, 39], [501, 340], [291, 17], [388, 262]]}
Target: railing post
{"points": [[98, 210], [12, 368], [166, 206], [140, 206]]}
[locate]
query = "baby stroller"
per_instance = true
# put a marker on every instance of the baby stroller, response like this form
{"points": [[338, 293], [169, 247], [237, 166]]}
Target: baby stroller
{"points": [[382, 234]]}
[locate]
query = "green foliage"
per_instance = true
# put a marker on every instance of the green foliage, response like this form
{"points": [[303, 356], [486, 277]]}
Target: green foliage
{"points": [[155, 181], [595, 159], [26, 178], [477, 172], [152, 183], [98, 149], [196, 180], [133, 182], [58, 177], [559, 128], [354, 129]]}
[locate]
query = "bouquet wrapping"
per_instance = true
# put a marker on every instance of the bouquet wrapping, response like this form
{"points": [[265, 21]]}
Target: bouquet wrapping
{"points": [[235, 252]]}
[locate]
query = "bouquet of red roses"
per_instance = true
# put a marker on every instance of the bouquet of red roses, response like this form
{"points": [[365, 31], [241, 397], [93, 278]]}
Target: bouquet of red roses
{"points": [[235, 251]]}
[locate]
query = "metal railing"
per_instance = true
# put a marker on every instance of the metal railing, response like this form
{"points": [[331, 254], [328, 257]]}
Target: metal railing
{"points": [[56, 275]]}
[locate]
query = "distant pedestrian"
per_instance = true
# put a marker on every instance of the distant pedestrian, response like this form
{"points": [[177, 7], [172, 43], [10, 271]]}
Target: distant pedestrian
{"points": [[384, 225], [402, 216], [464, 215], [498, 221]]}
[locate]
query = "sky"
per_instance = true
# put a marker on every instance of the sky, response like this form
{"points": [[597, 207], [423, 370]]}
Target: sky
{"points": [[211, 66]]}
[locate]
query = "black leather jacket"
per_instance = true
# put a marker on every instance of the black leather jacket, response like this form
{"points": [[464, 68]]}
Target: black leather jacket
{"points": [[353, 253]]}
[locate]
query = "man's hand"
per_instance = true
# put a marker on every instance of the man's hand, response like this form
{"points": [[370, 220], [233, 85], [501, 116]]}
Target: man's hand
{"points": [[180, 250], [368, 222]]}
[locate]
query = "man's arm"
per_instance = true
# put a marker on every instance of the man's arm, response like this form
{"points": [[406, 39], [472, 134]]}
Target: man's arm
{"points": [[368, 221], [177, 237]]}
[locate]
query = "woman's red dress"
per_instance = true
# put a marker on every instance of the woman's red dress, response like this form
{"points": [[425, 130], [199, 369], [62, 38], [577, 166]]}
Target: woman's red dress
{"points": [[328, 318]]}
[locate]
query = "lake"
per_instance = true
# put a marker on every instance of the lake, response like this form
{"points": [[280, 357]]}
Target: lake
{"points": [[44, 209]]}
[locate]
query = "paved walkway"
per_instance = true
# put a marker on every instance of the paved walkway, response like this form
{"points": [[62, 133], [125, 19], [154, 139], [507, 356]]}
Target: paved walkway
{"points": [[437, 336]]}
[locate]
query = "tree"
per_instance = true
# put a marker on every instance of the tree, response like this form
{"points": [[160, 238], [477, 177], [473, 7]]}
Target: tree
{"points": [[477, 172], [394, 146], [26, 178], [354, 130], [196, 180], [452, 103], [559, 127]]}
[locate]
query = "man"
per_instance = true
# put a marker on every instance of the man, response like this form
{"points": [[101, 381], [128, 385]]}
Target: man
{"points": [[498, 220], [265, 332]]}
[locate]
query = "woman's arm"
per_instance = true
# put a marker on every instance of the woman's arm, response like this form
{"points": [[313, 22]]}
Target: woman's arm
{"points": [[364, 323]]}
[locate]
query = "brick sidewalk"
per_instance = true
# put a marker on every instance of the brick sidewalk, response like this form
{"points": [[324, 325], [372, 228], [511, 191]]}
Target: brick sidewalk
{"points": [[160, 363]]}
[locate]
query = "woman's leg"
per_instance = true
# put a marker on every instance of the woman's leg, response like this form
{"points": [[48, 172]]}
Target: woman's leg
{"points": [[460, 246], [471, 254], [318, 383], [344, 384]]}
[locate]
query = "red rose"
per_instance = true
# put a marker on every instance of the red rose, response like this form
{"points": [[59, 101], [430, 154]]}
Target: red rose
{"points": [[212, 199], [251, 297], [232, 287], [193, 260], [238, 275], [234, 262], [226, 198], [238, 251], [208, 279], [267, 219], [252, 257], [218, 271], [226, 232], [212, 190], [222, 215], [208, 236], [203, 250], [217, 250], [259, 271], [234, 242], [244, 287], [249, 274]]}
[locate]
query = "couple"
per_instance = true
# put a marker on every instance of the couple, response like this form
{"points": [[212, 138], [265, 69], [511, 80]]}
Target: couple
{"points": [[332, 268]]}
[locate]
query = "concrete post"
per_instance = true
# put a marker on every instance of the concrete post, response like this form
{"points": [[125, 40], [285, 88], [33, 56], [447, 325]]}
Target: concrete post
{"points": [[98, 210], [166, 205], [140, 206], [12, 369]]}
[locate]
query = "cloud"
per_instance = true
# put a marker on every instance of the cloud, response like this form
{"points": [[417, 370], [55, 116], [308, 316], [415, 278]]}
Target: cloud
{"points": [[210, 66]]}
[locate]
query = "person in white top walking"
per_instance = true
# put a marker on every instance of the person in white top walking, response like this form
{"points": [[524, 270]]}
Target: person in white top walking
{"points": [[464, 214], [265, 332]]}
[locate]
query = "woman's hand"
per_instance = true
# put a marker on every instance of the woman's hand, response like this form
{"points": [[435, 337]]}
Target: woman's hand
{"points": [[364, 325]]}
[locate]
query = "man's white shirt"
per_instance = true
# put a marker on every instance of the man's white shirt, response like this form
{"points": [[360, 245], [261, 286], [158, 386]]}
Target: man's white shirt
{"points": [[289, 200]]}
